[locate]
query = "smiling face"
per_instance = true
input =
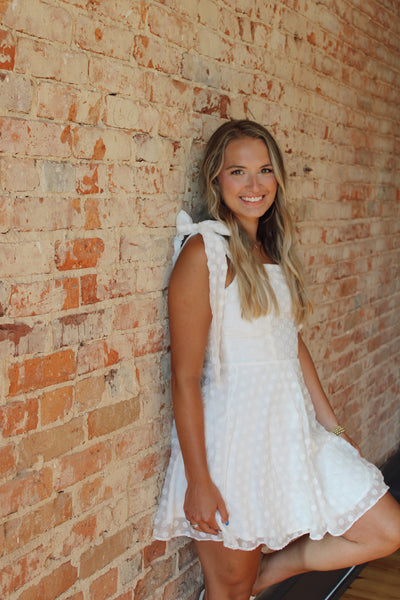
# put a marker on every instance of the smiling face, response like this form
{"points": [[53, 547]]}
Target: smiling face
{"points": [[247, 181]]}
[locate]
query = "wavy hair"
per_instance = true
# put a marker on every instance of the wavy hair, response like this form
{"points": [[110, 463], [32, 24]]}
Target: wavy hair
{"points": [[275, 228]]}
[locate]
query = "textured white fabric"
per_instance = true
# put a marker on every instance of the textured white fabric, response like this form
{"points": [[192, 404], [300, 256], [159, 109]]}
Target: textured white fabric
{"points": [[281, 474]]}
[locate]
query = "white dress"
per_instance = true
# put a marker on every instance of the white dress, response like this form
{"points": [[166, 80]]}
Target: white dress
{"points": [[279, 471]]}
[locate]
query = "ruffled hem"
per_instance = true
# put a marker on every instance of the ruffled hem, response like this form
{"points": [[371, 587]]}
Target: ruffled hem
{"points": [[181, 527]]}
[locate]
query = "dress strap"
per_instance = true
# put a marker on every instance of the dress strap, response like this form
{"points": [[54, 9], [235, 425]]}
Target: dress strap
{"points": [[217, 251]]}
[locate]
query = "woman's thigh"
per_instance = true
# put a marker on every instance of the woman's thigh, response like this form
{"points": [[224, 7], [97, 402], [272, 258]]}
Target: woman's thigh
{"points": [[225, 568], [381, 523]]}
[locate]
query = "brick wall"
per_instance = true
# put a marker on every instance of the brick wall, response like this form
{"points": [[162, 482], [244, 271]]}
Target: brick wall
{"points": [[105, 106]]}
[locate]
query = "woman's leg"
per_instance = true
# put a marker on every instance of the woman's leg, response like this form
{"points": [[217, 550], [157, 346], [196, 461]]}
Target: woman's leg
{"points": [[375, 534], [229, 574]]}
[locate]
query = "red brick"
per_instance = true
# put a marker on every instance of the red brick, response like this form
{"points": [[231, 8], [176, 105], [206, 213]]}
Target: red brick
{"points": [[64, 103], [103, 353], [140, 311], [43, 297], [118, 211], [90, 178], [21, 530], [78, 254], [34, 138], [81, 327], [7, 460], [55, 405], [53, 585], [80, 465], [150, 340], [133, 440], [89, 392], [208, 102], [82, 532], [50, 443], [116, 77], [158, 574], [25, 490], [19, 417], [99, 556], [92, 493], [149, 52], [95, 143], [104, 586], [110, 418], [37, 373], [105, 39], [22, 570], [7, 50], [155, 550]]}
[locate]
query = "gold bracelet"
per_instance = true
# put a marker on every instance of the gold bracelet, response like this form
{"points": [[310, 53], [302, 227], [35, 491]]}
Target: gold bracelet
{"points": [[338, 430]]}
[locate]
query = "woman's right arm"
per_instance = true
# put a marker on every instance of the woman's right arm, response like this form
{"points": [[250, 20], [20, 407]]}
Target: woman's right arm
{"points": [[189, 320]]}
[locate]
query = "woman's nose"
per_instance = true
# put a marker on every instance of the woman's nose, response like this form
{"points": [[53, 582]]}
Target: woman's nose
{"points": [[252, 182]]}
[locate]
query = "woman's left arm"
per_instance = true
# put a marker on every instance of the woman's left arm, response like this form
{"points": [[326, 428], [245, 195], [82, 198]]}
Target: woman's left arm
{"points": [[323, 410]]}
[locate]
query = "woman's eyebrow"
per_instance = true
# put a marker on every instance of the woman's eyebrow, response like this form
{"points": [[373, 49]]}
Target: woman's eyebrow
{"points": [[243, 166]]}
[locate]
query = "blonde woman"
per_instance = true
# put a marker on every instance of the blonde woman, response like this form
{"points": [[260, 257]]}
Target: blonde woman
{"points": [[258, 456]]}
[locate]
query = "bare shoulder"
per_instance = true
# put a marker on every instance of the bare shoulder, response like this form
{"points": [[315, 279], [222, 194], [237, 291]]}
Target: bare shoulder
{"points": [[191, 265]]}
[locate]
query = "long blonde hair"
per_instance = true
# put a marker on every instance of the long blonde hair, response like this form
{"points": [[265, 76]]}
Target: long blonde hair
{"points": [[275, 229]]}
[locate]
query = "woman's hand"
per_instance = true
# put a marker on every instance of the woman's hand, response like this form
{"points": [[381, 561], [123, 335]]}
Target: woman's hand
{"points": [[202, 501]]}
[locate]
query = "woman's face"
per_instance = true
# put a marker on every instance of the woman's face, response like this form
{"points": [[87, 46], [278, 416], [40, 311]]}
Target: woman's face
{"points": [[247, 181]]}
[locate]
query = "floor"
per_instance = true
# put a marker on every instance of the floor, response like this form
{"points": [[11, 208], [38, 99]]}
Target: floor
{"points": [[379, 580]]}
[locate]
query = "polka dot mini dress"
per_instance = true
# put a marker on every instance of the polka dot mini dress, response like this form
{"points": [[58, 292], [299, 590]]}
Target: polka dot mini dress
{"points": [[281, 474]]}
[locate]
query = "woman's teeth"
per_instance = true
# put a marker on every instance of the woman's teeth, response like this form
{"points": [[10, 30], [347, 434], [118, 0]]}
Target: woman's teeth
{"points": [[251, 198]]}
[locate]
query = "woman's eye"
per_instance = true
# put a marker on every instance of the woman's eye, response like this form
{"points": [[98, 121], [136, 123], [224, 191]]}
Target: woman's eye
{"points": [[267, 170], [237, 172]]}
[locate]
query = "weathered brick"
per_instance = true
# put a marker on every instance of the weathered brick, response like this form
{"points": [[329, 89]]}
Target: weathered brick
{"points": [[34, 138], [105, 39], [55, 405], [103, 353], [43, 296], [38, 19], [19, 174], [7, 50], [22, 570], [50, 443], [149, 52], [154, 578], [97, 144], [128, 114], [82, 532], [16, 93], [110, 418], [46, 213], [58, 177], [21, 530], [19, 417], [7, 461], [36, 373], [42, 59], [99, 556], [118, 78], [25, 258], [51, 586], [78, 254], [166, 24], [65, 103], [80, 465], [104, 586], [25, 490]]}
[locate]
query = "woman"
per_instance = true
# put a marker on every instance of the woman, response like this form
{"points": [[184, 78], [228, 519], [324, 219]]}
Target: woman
{"points": [[258, 456]]}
